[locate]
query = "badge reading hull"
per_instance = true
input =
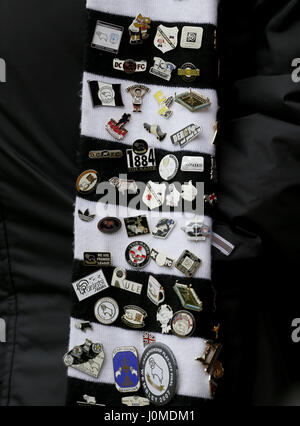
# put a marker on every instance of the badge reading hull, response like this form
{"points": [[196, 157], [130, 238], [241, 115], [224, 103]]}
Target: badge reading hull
{"points": [[159, 373]]}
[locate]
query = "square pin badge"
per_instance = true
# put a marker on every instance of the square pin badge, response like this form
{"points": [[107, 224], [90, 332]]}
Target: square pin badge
{"points": [[107, 37]]}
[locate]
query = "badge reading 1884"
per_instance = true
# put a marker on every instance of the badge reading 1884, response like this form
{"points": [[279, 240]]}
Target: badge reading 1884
{"points": [[126, 369], [159, 373], [140, 158]]}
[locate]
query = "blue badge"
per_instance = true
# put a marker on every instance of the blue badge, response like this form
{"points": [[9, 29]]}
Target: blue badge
{"points": [[126, 369]]}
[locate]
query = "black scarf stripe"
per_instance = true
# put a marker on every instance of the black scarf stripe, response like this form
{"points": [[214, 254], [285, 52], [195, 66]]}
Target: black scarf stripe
{"points": [[205, 320], [101, 62]]}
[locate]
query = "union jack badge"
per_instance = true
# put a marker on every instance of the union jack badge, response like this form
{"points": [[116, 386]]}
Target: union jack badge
{"points": [[148, 338]]}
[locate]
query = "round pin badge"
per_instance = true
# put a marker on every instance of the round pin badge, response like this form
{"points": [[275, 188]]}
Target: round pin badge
{"points": [[159, 373], [87, 181], [188, 72], [137, 254], [106, 310], [183, 323], [109, 225], [168, 167], [140, 147]]}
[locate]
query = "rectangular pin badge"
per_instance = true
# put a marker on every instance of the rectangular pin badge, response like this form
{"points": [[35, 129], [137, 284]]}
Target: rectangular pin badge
{"points": [[90, 285], [107, 37]]}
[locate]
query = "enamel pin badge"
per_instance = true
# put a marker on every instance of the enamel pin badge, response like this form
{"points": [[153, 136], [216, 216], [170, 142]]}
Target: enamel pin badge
{"points": [[138, 29], [195, 230], [162, 69], [86, 216], [155, 291], [164, 104], [192, 101], [155, 130], [137, 225], [106, 153], [163, 228], [159, 373], [192, 164], [126, 369], [191, 37], [188, 297], [135, 401], [105, 94], [137, 91], [186, 135], [148, 338], [117, 129], [90, 285], [189, 191], [124, 185], [188, 72], [87, 181], [183, 323], [161, 258], [87, 358], [154, 195], [188, 263], [107, 37], [168, 167], [166, 38], [134, 316], [119, 281], [137, 254], [106, 310], [97, 259], [129, 66], [141, 158], [163, 316]]}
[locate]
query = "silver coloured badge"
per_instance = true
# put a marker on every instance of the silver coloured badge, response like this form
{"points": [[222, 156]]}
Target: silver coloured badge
{"points": [[135, 401], [164, 104], [87, 358], [106, 310], [107, 37], [126, 369], [119, 281], [168, 167], [191, 37], [183, 323], [162, 69], [89, 400], [137, 254], [90, 285], [192, 164], [83, 326], [129, 66], [189, 191], [124, 185], [166, 38], [155, 291], [138, 30], [174, 196], [188, 263], [105, 94], [188, 297], [155, 130], [164, 316], [161, 258], [86, 216], [134, 316], [163, 228], [186, 135], [154, 195], [195, 230], [106, 153], [137, 91]]}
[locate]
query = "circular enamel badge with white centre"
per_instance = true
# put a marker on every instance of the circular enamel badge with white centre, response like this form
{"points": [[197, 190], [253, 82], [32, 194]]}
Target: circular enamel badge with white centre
{"points": [[159, 373], [183, 323], [137, 254], [106, 310], [168, 167], [87, 181]]}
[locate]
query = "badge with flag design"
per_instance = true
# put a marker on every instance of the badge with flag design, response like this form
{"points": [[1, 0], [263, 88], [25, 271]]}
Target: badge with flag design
{"points": [[148, 338], [105, 94]]}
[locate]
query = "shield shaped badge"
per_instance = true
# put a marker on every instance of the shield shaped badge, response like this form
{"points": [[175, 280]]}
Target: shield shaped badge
{"points": [[166, 38]]}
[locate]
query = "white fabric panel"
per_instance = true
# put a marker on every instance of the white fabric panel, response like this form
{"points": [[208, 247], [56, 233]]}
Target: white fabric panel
{"points": [[93, 120], [89, 238], [192, 380]]}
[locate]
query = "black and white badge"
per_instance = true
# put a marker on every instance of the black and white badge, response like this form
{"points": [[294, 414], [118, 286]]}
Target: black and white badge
{"points": [[186, 135], [105, 94], [188, 263], [90, 285], [137, 254], [163, 227], [168, 167], [162, 69], [159, 373], [166, 38], [191, 37], [107, 37], [137, 225], [141, 162], [106, 310]]}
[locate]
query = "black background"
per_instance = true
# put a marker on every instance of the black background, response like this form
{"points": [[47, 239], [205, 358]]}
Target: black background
{"points": [[258, 156]]}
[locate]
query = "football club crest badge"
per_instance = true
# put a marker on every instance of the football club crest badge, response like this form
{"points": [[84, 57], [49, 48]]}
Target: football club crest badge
{"points": [[117, 129], [162, 69], [126, 369], [105, 94], [191, 37], [166, 38]]}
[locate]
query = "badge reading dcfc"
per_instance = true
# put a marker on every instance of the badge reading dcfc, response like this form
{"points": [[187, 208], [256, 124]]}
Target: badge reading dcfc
{"points": [[162, 69], [166, 38], [137, 225], [106, 310], [126, 369], [159, 373], [117, 129], [107, 37], [137, 254], [90, 285], [141, 162], [129, 65], [191, 37]]}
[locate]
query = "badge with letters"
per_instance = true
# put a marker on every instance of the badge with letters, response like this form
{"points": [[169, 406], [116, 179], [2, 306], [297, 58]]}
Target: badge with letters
{"points": [[141, 162], [107, 37], [159, 373], [186, 135], [162, 69], [188, 72], [87, 358], [90, 285], [117, 129], [129, 66], [137, 254], [188, 263], [106, 310], [106, 153], [134, 316], [119, 281], [163, 228], [192, 164], [183, 323], [137, 225], [166, 38], [161, 258], [135, 401], [164, 104], [97, 259], [191, 37], [126, 369]]}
